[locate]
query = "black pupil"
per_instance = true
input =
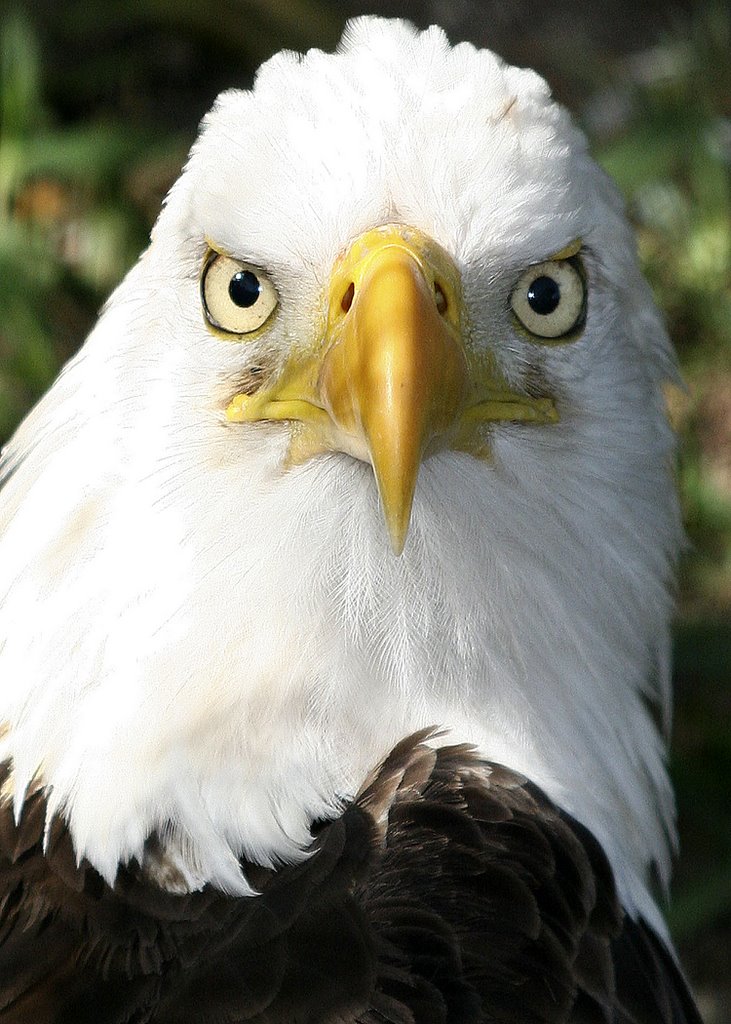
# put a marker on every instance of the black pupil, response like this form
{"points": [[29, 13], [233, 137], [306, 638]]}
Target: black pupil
{"points": [[244, 288], [544, 295]]}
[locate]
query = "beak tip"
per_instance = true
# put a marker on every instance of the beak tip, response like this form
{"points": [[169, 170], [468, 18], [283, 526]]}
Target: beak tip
{"points": [[396, 482], [397, 523], [396, 496], [398, 540]]}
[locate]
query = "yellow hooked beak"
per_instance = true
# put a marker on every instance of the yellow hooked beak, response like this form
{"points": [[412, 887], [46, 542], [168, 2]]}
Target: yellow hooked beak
{"points": [[392, 379]]}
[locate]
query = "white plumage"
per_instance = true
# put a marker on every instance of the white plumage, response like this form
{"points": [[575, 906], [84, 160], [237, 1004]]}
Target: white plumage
{"points": [[200, 638]]}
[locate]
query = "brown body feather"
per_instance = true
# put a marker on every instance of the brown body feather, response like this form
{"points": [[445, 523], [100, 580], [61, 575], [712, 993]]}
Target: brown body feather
{"points": [[450, 890]]}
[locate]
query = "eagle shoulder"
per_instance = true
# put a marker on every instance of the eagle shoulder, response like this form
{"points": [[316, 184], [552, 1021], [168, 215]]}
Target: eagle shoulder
{"points": [[449, 890]]}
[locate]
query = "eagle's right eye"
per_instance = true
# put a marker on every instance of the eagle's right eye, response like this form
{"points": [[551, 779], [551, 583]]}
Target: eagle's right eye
{"points": [[237, 298], [549, 299]]}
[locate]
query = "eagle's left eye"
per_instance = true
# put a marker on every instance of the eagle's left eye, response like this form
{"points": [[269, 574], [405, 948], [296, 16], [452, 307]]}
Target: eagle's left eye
{"points": [[549, 300], [237, 297]]}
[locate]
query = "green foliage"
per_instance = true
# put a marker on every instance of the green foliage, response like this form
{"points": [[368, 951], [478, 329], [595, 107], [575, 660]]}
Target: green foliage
{"points": [[69, 223]]}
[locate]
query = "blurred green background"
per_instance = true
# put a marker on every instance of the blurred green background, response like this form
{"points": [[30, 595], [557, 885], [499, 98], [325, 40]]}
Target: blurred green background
{"points": [[99, 102]]}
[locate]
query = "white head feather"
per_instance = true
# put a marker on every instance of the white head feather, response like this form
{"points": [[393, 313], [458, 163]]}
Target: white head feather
{"points": [[199, 641]]}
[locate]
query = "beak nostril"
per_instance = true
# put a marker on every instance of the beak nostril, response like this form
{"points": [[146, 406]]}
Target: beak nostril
{"points": [[347, 300], [440, 298]]}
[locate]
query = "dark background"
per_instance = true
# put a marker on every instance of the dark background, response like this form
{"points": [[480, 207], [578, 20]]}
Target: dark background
{"points": [[99, 102]]}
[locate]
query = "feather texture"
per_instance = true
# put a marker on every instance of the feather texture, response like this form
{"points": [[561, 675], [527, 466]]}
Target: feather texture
{"points": [[172, 663], [449, 890], [207, 643]]}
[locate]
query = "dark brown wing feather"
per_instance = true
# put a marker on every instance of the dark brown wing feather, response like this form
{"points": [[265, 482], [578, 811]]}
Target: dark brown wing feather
{"points": [[450, 891]]}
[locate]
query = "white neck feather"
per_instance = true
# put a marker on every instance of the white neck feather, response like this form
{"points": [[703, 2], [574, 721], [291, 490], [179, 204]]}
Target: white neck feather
{"points": [[201, 673]]}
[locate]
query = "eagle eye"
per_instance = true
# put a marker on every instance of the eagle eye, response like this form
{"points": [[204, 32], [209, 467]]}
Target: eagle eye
{"points": [[237, 297], [549, 299]]}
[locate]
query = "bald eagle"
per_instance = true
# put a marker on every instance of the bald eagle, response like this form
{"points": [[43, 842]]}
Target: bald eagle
{"points": [[334, 580]]}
